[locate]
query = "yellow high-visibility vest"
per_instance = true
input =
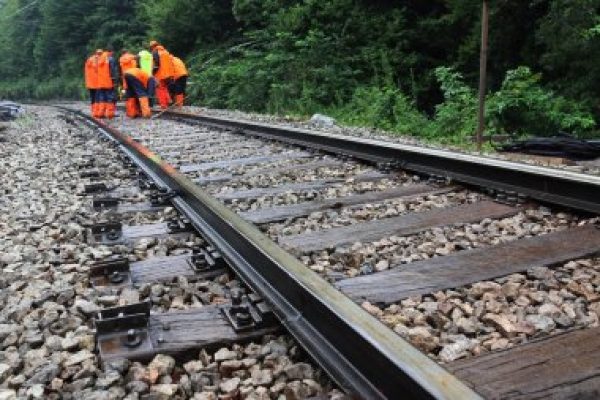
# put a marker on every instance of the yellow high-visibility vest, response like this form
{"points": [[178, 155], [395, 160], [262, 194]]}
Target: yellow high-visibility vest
{"points": [[146, 62]]}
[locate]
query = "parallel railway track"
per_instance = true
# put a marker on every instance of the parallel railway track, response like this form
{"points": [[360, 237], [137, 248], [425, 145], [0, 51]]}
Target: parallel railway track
{"points": [[257, 202]]}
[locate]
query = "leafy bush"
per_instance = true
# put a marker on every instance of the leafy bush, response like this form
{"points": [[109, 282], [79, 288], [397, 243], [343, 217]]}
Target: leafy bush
{"points": [[31, 89], [236, 84], [20, 89], [523, 107], [456, 117], [387, 109]]}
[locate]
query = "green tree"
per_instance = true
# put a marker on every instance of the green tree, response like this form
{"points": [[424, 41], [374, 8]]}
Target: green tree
{"points": [[185, 25], [391, 64], [571, 52], [19, 26]]}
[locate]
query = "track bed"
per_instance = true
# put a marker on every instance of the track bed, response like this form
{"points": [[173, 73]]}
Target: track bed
{"points": [[476, 282]]}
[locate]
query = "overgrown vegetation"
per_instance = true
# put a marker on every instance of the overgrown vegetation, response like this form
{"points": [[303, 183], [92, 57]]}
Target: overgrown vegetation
{"points": [[407, 66]]}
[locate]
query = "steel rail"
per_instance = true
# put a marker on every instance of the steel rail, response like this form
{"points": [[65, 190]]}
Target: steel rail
{"points": [[548, 185], [365, 358]]}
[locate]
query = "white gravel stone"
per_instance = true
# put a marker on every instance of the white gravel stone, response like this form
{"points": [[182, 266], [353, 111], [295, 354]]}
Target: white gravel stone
{"points": [[5, 371], [262, 377], [7, 394], [78, 358], [541, 322], [230, 385], [167, 390], [70, 343], [225, 354], [205, 396], [86, 307], [457, 350], [36, 391], [382, 265], [162, 364]]}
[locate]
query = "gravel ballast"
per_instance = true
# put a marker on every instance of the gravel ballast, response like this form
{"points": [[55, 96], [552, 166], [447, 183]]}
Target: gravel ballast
{"points": [[47, 305], [447, 325], [492, 322]]}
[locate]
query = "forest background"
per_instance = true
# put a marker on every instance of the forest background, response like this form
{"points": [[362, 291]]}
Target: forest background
{"points": [[409, 66]]}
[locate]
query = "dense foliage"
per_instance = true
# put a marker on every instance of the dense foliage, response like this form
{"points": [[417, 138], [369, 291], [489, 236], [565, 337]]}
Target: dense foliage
{"points": [[409, 66]]}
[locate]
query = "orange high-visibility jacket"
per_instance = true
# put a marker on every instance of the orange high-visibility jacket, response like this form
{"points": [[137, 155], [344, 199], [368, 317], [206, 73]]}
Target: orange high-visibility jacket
{"points": [[91, 72], [105, 80], [163, 65], [139, 74], [126, 62], [179, 68]]}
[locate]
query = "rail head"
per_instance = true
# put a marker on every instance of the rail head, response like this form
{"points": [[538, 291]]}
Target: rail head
{"points": [[362, 355]]}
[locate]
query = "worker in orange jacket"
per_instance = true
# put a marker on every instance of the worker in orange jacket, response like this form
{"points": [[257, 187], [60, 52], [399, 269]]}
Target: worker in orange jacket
{"points": [[126, 61], [140, 87], [91, 81], [107, 77], [163, 72], [180, 76]]}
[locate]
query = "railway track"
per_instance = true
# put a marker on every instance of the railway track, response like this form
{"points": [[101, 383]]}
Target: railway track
{"points": [[486, 272]]}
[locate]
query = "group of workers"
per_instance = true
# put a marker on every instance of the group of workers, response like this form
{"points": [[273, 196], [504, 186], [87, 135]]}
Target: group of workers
{"points": [[142, 77]]}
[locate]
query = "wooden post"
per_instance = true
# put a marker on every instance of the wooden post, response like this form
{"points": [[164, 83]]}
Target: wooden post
{"points": [[483, 72]]}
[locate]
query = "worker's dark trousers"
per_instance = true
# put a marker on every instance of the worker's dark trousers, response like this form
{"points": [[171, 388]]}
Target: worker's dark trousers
{"points": [[93, 101], [138, 96], [135, 88], [177, 89], [105, 103]]}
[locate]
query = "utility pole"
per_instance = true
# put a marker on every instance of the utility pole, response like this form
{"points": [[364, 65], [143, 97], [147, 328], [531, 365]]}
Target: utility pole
{"points": [[485, 14]]}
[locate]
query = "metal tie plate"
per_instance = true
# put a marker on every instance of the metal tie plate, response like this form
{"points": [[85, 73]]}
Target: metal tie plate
{"points": [[101, 203], [145, 183], [161, 197], [90, 173], [124, 331], [206, 259], [95, 187], [248, 312], [178, 225], [106, 232], [86, 164], [115, 272]]}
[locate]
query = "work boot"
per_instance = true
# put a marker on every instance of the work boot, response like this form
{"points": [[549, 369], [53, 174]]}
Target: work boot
{"points": [[179, 99], [162, 93], [99, 110], [145, 106], [131, 108], [109, 110]]}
